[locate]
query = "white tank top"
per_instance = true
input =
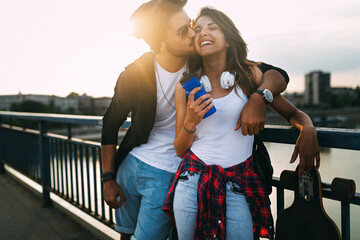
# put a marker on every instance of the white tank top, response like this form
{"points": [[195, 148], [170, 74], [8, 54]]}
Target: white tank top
{"points": [[215, 141], [159, 150]]}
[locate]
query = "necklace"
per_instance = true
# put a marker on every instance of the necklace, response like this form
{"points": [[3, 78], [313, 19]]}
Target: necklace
{"points": [[162, 90]]}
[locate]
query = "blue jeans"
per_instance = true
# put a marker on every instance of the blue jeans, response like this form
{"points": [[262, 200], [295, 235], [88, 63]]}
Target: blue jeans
{"points": [[145, 188], [238, 217]]}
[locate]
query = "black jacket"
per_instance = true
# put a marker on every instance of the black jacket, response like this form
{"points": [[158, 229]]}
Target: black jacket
{"points": [[135, 92]]}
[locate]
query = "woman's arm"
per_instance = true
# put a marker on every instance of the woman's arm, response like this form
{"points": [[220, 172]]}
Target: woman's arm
{"points": [[188, 116], [307, 146]]}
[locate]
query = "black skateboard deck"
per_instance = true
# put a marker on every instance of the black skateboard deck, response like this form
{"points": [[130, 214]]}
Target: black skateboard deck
{"points": [[306, 217]]}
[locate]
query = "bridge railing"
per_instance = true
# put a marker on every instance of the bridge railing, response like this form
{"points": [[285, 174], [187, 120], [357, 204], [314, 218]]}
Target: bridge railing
{"points": [[71, 167]]}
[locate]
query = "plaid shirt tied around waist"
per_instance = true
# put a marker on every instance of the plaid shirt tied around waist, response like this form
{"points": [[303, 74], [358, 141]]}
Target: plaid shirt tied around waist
{"points": [[210, 217]]}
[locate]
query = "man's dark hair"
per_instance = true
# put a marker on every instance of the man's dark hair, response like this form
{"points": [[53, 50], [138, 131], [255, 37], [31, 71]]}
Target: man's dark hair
{"points": [[151, 20]]}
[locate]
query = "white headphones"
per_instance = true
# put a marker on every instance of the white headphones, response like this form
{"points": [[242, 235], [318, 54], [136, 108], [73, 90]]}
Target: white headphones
{"points": [[227, 80]]}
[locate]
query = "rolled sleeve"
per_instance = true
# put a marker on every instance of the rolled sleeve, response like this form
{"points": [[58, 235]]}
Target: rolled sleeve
{"points": [[264, 67]]}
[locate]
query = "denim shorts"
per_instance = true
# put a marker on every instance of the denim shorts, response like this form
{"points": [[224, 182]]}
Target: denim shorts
{"points": [[238, 217], [145, 189]]}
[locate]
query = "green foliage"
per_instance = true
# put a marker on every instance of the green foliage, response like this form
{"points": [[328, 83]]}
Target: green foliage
{"points": [[341, 100], [28, 106], [346, 99]]}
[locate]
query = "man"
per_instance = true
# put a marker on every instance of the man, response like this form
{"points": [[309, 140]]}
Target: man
{"points": [[137, 187]]}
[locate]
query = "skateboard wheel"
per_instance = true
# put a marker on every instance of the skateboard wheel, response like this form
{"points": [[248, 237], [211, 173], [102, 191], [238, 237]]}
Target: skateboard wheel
{"points": [[287, 179], [343, 188]]}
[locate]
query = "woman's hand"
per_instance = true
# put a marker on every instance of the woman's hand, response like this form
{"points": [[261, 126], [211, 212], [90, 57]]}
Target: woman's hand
{"points": [[307, 148], [252, 116], [196, 109]]}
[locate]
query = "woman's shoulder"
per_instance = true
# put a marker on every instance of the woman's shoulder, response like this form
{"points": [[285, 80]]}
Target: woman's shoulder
{"points": [[179, 91], [178, 87]]}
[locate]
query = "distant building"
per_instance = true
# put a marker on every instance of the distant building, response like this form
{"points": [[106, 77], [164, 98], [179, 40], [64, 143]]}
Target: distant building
{"points": [[66, 104], [343, 97], [343, 91], [86, 104], [100, 105], [296, 99], [7, 100], [317, 89], [74, 103]]}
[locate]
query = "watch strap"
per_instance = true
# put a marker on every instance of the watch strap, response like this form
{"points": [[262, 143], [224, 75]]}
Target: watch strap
{"points": [[107, 176], [261, 92]]}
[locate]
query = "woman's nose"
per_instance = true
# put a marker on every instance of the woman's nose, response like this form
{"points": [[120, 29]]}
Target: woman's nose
{"points": [[203, 32]]}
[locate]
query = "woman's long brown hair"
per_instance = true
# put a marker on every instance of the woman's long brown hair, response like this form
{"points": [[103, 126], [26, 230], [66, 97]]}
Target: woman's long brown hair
{"points": [[236, 54]]}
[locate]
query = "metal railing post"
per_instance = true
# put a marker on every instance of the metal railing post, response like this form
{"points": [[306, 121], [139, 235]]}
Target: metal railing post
{"points": [[44, 164], [345, 220], [71, 154], [69, 133], [2, 153]]}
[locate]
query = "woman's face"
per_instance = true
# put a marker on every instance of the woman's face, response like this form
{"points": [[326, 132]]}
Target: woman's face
{"points": [[209, 38]]}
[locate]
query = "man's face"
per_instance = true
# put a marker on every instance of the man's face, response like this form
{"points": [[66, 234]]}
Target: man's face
{"points": [[180, 37]]}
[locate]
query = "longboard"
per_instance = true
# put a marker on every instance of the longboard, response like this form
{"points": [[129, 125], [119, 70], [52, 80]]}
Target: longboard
{"points": [[306, 217]]}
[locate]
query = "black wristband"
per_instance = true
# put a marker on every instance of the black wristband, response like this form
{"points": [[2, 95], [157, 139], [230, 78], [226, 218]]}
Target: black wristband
{"points": [[107, 176]]}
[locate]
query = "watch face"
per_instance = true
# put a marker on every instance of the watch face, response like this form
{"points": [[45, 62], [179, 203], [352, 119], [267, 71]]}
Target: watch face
{"points": [[268, 95]]}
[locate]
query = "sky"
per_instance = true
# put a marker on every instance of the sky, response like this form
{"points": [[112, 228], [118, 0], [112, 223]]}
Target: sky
{"points": [[57, 47]]}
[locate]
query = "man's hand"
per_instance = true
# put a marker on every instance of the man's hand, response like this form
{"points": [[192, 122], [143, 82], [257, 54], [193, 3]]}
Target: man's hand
{"points": [[307, 148], [252, 116], [112, 191]]}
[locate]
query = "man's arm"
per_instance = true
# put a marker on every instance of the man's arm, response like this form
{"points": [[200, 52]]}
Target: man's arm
{"points": [[252, 117], [306, 146], [274, 81], [112, 189], [114, 117]]}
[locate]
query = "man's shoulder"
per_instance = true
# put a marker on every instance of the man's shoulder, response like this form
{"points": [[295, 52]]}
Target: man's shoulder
{"points": [[143, 61], [262, 65], [141, 70]]}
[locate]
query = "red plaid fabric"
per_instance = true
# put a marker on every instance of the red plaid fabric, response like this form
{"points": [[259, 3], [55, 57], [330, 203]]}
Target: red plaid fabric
{"points": [[212, 201]]}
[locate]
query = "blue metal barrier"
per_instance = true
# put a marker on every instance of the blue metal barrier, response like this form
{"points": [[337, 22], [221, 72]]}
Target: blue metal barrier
{"points": [[71, 167]]}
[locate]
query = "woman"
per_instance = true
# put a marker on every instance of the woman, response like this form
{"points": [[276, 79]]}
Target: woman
{"points": [[216, 194]]}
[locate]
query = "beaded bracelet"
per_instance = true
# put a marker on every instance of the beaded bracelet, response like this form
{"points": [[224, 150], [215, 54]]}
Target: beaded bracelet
{"points": [[187, 130]]}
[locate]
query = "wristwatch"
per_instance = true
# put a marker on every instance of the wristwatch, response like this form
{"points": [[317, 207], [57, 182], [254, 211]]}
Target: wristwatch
{"points": [[107, 176], [266, 94]]}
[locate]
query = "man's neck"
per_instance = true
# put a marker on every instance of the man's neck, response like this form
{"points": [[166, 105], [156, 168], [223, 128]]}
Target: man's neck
{"points": [[170, 62]]}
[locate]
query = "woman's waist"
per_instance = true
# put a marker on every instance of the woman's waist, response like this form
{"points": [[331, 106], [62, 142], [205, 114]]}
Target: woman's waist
{"points": [[193, 163], [225, 159], [222, 153], [221, 136]]}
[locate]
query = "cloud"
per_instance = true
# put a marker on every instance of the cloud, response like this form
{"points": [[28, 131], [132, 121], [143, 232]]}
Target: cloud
{"points": [[327, 39]]}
